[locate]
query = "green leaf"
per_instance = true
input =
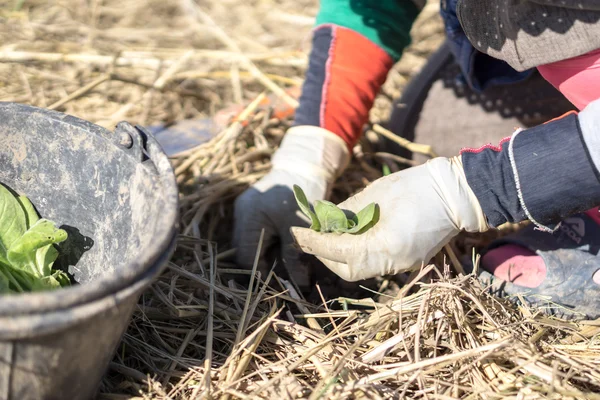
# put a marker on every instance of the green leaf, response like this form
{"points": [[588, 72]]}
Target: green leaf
{"points": [[327, 217], [19, 280], [386, 170], [27, 250], [331, 217], [45, 283], [4, 284], [57, 280], [365, 218], [30, 214], [305, 208], [62, 278], [34, 252], [13, 222], [302, 200]]}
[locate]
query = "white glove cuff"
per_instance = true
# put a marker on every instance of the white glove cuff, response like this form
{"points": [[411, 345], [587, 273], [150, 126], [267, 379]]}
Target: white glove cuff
{"points": [[312, 151], [478, 221], [463, 206]]}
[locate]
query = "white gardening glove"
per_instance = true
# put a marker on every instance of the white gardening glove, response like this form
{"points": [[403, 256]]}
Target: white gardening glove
{"points": [[421, 209], [310, 157]]}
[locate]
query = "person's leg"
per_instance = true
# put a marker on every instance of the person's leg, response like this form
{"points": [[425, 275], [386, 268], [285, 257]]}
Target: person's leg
{"points": [[559, 272], [437, 109]]}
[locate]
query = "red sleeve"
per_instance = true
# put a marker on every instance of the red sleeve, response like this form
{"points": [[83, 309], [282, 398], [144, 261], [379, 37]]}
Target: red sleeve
{"points": [[346, 71]]}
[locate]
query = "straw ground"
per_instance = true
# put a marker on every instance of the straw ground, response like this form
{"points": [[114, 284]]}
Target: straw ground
{"points": [[205, 329]]}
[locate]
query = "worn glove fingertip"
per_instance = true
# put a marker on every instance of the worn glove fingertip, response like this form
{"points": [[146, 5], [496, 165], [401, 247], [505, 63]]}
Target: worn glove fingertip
{"points": [[303, 237]]}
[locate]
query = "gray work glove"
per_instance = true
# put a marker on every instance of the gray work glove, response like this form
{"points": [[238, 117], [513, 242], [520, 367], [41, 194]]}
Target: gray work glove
{"points": [[310, 157], [421, 209]]}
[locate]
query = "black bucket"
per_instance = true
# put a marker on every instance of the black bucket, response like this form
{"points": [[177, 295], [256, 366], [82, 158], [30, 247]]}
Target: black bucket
{"points": [[116, 196]]}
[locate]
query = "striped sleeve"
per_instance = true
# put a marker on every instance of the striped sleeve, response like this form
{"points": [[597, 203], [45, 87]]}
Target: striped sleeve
{"points": [[345, 74], [354, 47]]}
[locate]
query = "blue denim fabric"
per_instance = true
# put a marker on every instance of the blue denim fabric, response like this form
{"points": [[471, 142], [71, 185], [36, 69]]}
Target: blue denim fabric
{"points": [[490, 176], [309, 109], [558, 176], [478, 69], [556, 173]]}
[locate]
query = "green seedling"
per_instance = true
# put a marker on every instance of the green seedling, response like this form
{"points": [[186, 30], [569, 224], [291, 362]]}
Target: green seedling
{"points": [[327, 217], [27, 247], [386, 170]]}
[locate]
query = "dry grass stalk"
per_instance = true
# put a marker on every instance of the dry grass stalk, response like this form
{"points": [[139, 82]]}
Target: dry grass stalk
{"points": [[439, 337], [469, 344], [197, 333]]}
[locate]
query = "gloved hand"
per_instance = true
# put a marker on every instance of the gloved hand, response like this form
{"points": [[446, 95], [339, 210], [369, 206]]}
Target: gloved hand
{"points": [[421, 209], [310, 157]]}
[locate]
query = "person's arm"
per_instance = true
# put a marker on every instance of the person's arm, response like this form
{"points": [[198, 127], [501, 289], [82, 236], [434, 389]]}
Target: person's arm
{"points": [[354, 46], [543, 174]]}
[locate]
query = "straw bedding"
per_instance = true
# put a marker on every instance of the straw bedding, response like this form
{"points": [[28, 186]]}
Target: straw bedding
{"points": [[205, 329]]}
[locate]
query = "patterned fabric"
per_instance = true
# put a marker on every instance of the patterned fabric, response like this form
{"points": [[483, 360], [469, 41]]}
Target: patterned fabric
{"points": [[529, 33], [478, 69]]}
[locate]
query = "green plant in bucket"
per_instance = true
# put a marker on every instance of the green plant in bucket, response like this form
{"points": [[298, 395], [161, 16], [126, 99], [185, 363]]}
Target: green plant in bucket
{"points": [[27, 251]]}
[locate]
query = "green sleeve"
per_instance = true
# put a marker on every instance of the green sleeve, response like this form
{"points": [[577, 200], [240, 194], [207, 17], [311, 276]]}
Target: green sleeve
{"points": [[386, 23]]}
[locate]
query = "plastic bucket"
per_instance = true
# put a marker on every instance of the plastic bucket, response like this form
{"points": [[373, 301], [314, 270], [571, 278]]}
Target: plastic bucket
{"points": [[116, 195]]}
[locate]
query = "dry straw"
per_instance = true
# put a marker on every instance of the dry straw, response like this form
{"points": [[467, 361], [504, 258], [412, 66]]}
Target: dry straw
{"points": [[197, 332], [438, 337]]}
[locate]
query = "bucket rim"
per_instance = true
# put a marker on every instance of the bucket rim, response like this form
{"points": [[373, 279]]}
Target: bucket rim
{"points": [[149, 256], [27, 326]]}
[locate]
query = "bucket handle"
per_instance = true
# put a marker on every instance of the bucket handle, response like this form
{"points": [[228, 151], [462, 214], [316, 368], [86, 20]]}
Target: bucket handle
{"points": [[131, 140]]}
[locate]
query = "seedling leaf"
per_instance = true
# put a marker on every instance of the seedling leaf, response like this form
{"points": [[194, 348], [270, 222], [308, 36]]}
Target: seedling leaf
{"points": [[331, 217], [327, 217], [386, 170], [305, 208], [365, 217]]}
